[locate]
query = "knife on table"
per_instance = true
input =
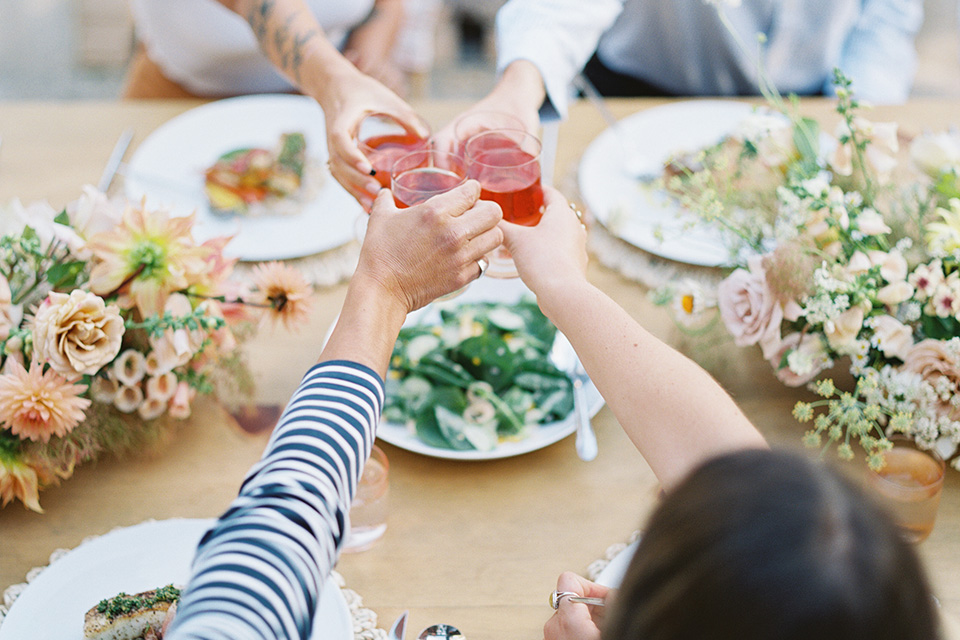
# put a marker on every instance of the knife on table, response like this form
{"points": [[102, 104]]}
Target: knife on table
{"points": [[398, 628]]}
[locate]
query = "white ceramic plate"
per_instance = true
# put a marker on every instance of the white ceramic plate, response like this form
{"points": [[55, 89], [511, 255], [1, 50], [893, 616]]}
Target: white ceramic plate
{"points": [[168, 169], [486, 289], [633, 210], [132, 559], [612, 574]]}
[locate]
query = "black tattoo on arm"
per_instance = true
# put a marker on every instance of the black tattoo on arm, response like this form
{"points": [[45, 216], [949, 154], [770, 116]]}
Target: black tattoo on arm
{"points": [[288, 45]]}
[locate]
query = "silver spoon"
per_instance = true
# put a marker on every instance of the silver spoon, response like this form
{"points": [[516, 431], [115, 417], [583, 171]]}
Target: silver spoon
{"points": [[439, 632]]}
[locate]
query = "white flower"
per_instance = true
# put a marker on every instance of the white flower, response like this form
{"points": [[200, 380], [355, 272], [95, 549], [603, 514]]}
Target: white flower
{"points": [[871, 223], [151, 408], [936, 153], [161, 387], [880, 152], [842, 331], [894, 294], [691, 303], [893, 266], [10, 314], [926, 278], [127, 399], [93, 212], [128, 368], [858, 263], [891, 336]]}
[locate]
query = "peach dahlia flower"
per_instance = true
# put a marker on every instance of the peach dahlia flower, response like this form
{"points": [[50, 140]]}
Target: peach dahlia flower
{"points": [[36, 405]]}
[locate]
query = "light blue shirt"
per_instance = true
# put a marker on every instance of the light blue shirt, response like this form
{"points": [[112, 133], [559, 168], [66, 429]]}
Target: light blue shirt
{"points": [[683, 46]]}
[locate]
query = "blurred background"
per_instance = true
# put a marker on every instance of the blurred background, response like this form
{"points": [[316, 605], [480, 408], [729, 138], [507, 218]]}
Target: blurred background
{"points": [[79, 49]]}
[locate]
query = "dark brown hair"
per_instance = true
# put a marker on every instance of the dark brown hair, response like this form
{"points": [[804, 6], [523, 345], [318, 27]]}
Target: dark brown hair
{"points": [[761, 545]]}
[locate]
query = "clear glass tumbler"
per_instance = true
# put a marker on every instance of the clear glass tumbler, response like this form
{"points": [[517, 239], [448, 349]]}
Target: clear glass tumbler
{"points": [[368, 513]]}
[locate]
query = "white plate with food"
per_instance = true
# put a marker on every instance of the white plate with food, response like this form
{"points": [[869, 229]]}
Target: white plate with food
{"points": [[634, 209], [493, 334], [131, 560], [287, 206]]}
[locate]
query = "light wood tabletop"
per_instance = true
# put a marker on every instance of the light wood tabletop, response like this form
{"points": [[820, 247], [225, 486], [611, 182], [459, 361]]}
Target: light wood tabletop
{"points": [[475, 544]]}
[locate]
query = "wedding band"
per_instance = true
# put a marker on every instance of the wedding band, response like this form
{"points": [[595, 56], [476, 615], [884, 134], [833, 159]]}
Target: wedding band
{"points": [[576, 211], [483, 263]]}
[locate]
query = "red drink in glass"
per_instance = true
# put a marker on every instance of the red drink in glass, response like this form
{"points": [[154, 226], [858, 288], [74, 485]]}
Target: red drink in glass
{"points": [[510, 177], [384, 150]]}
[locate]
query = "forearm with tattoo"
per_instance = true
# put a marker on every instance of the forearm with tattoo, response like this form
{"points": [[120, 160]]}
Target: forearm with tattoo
{"points": [[284, 31]]}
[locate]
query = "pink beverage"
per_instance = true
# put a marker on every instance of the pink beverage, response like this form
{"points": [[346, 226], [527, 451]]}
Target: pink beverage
{"points": [[510, 177], [909, 486], [419, 185], [384, 150]]}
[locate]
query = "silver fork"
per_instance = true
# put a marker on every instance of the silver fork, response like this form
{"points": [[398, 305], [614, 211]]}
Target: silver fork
{"points": [[567, 360]]}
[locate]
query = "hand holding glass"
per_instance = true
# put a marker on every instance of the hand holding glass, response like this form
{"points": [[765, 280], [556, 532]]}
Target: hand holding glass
{"points": [[383, 140]]}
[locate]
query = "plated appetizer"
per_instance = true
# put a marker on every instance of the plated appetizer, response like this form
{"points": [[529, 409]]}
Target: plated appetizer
{"points": [[141, 616], [479, 375], [256, 181]]}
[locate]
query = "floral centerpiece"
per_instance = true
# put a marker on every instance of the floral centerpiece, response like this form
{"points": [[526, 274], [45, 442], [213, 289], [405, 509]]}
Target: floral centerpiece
{"points": [[840, 253], [112, 319]]}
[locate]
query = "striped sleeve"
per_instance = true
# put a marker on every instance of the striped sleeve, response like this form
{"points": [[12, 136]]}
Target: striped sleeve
{"points": [[258, 572]]}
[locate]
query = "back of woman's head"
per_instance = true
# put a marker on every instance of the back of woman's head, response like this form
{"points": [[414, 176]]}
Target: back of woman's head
{"points": [[761, 545]]}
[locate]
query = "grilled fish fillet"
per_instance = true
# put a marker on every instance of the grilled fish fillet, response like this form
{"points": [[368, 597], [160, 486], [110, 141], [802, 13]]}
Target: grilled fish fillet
{"points": [[128, 617]]}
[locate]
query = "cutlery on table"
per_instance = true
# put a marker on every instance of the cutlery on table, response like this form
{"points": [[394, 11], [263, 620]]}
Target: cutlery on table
{"points": [[399, 627], [116, 157], [440, 632], [639, 166], [567, 360]]}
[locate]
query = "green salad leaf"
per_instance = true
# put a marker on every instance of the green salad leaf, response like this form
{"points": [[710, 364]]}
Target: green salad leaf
{"points": [[480, 375]]}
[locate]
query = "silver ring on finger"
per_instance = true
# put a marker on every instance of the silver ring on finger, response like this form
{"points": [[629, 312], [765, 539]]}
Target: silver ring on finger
{"points": [[557, 596], [483, 263]]}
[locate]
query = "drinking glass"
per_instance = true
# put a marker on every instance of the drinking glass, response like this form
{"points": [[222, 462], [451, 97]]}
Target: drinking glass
{"points": [[368, 513], [469, 125], [909, 487], [506, 163], [420, 175], [383, 140]]}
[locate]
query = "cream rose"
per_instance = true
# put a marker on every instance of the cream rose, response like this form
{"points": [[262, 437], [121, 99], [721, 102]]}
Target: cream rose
{"points": [[77, 333], [895, 293], [892, 337], [842, 331], [934, 360], [749, 309]]}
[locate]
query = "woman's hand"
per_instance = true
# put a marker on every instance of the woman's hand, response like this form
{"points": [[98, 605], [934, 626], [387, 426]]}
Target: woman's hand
{"points": [[552, 254], [518, 93], [345, 103], [574, 620], [429, 249]]}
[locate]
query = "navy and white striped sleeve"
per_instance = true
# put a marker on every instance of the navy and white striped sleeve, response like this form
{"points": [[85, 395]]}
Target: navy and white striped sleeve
{"points": [[258, 572]]}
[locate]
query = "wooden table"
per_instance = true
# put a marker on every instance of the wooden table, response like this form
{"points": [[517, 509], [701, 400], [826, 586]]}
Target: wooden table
{"points": [[478, 545]]}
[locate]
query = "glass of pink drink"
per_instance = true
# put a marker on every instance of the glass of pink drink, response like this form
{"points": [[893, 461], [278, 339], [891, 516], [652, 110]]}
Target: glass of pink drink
{"points": [[471, 124], [420, 175], [909, 487], [506, 163], [384, 140]]}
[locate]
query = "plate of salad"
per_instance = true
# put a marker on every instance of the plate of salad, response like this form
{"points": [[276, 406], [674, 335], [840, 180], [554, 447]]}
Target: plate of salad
{"points": [[473, 378]]}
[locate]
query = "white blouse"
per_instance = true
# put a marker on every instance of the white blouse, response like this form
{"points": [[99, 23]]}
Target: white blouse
{"points": [[211, 51]]}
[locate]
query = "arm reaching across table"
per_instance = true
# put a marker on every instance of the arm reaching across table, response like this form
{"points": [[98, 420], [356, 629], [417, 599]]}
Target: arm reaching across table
{"points": [[290, 36], [259, 571], [673, 411]]}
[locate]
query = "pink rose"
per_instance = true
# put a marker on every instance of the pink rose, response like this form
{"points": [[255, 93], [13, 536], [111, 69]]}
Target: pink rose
{"points": [[749, 309], [935, 360]]}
